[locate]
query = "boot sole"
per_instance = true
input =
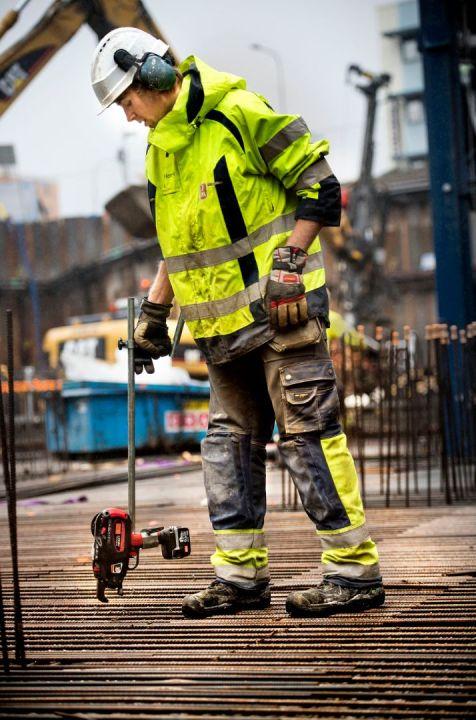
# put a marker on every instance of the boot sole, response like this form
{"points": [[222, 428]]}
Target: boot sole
{"points": [[357, 605], [228, 609]]}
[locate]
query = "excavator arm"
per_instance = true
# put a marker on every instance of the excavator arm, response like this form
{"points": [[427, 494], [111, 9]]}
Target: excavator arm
{"points": [[63, 18]]}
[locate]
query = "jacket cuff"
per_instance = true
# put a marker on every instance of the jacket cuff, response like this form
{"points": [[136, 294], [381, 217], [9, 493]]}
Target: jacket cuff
{"points": [[326, 208]]}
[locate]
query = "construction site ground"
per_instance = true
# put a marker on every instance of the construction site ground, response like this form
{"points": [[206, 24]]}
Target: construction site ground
{"points": [[138, 657]]}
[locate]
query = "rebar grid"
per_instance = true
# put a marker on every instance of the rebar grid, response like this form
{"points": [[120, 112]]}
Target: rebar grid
{"points": [[408, 407]]}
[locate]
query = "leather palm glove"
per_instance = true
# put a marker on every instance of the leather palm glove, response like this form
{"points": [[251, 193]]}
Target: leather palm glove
{"points": [[142, 361], [286, 297], [151, 332]]}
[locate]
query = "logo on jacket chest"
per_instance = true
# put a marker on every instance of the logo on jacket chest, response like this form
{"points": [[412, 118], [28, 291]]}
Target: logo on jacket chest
{"points": [[169, 180], [203, 193]]}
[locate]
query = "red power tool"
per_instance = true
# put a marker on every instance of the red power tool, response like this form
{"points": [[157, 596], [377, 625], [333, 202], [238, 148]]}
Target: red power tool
{"points": [[116, 548]]}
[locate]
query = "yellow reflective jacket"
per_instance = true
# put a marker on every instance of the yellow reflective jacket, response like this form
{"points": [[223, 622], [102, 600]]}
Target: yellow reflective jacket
{"points": [[225, 175]]}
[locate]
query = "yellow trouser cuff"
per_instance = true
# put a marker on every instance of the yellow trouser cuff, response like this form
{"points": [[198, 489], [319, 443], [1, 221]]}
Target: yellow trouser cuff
{"points": [[251, 557], [363, 554], [238, 532]]}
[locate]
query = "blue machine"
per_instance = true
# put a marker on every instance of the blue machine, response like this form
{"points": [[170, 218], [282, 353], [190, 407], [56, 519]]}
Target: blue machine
{"points": [[91, 417]]}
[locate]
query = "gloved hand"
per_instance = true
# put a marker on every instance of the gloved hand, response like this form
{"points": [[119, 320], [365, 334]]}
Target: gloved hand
{"points": [[285, 293], [151, 332], [142, 361]]}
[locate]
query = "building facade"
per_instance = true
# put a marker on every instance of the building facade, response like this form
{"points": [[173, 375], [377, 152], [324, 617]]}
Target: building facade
{"points": [[404, 190], [399, 26]]}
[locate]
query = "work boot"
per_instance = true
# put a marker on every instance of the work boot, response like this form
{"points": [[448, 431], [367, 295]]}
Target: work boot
{"points": [[221, 598], [329, 598]]}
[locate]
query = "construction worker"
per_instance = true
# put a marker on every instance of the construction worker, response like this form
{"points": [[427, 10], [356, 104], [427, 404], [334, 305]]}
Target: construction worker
{"points": [[239, 193]]}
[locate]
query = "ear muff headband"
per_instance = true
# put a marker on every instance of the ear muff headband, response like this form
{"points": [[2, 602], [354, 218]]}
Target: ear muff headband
{"points": [[153, 72]]}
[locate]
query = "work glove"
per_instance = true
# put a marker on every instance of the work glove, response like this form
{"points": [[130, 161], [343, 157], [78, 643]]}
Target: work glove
{"points": [[142, 361], [287, 304], [151, 333]]}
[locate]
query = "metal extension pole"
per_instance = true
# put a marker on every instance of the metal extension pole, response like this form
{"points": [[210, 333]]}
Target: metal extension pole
{"points": [[131, 412]]}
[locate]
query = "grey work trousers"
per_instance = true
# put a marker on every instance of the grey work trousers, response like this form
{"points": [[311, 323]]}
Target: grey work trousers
{"points": [[291, 379]]}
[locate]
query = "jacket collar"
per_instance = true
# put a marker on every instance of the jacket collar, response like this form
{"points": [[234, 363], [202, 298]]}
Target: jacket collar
{"points": [[202, 89]]}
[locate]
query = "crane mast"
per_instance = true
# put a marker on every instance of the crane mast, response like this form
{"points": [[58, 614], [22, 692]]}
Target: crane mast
{"points": [[357, 264]]}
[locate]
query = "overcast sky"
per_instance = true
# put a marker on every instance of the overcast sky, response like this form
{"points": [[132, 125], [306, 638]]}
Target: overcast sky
{"points": [[57, 134]]}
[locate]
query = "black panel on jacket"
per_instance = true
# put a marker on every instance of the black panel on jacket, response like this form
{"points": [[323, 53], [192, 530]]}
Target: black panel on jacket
{"points": [[326, 209], [196, 96], [226, 122], [234, 221]]}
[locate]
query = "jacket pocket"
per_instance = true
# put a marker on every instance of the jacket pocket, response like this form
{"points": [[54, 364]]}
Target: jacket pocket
{"points": [[309, 395], [308, 334]]}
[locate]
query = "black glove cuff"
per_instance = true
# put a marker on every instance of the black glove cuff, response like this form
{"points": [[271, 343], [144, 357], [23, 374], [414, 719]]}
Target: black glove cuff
{"points": [[155, 311], [289, 258]]}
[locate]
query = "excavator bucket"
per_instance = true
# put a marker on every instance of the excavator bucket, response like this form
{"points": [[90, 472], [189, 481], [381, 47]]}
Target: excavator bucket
{"points": [[130, 208], [26, 58]]}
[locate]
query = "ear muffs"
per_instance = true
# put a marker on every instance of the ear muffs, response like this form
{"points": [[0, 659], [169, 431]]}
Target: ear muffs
{"points": [[153, 72]]}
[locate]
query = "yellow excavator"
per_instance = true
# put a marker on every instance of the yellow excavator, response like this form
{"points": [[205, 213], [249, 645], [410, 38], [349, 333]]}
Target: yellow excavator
{"points": [[20, 63]]}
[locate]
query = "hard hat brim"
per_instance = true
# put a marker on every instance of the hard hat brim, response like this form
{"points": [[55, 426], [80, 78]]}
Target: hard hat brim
{"points": [[108, 80]]}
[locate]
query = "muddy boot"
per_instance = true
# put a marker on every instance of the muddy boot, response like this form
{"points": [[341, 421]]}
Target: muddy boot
{"points": [[329, 598], [219, 598]]}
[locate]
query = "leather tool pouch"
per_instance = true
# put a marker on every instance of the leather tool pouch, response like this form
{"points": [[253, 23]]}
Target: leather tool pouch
{"points": [[309, 334]]}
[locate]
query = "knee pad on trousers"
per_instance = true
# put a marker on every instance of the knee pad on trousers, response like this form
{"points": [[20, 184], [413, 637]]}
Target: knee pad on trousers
{"points": [[234, 469]]}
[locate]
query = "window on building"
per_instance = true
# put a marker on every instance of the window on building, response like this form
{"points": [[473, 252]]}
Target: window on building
{"points": [[415, 112], [410, 52], [420, 237]]}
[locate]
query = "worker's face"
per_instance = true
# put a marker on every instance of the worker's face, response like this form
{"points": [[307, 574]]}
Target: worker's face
{"points": [[147, 106]]}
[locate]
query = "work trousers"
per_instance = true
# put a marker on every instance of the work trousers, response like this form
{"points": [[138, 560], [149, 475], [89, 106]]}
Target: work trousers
{"points": [[290, 379]]}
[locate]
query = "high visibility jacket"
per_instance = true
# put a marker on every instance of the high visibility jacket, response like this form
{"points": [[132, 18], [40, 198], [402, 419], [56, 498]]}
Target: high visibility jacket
{"points": [[226, 174]]}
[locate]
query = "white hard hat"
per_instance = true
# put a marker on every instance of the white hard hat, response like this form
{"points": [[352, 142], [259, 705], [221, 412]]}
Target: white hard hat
{"points": [[107, 78]]}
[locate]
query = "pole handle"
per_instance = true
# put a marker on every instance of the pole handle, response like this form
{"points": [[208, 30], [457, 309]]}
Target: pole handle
{"points": [[131, 410]]}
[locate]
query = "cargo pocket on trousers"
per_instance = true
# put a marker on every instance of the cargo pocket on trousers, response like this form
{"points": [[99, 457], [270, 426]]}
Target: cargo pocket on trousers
{"points": [[309, 395]]}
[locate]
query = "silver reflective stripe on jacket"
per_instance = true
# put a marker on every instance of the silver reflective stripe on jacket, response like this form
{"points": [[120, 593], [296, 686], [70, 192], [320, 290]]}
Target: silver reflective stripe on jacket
{"points": [[218, 308], [314, 174], [225, 253], [283, 139]]}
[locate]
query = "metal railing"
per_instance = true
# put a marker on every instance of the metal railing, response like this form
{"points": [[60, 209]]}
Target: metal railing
{"points": [[33, 459]]}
